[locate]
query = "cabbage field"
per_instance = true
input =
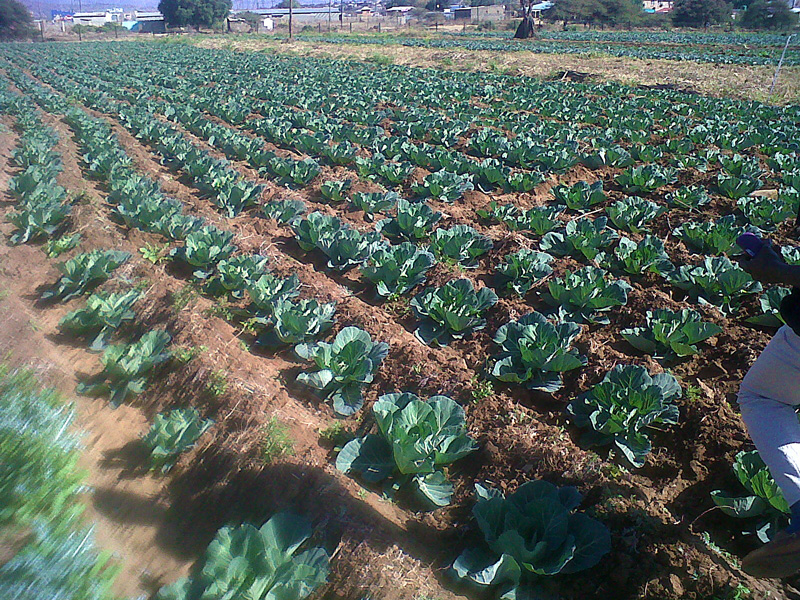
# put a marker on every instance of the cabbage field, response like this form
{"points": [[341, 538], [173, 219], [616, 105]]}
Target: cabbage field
{"points": [[502, 315]]}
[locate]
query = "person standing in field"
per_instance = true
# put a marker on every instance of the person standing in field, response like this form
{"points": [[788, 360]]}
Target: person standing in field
{"points": [[768, 397]]}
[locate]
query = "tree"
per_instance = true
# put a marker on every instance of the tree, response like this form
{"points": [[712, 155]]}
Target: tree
{"points": [[700, 13], [16, 21], [622, 12], [578, 11], [194, 13], [285, 4], [768, 14], [252, 19]]}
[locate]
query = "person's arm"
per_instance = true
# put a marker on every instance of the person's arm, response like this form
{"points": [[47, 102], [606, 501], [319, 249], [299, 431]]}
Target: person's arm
{"points": [[769, 267]]}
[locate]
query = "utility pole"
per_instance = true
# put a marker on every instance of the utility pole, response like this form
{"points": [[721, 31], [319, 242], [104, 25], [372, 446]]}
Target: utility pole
{"points": [[780, 64], [329, 16], [291, 2]]}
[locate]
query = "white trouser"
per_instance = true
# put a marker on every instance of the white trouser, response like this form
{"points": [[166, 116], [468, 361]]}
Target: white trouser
{"points": [[767, 397]]}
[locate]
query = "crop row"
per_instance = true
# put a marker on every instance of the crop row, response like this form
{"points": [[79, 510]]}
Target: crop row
{"points": [[737, 55]]}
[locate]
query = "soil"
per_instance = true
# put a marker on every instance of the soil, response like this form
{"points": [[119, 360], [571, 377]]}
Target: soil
{"points": [[159, 525]]}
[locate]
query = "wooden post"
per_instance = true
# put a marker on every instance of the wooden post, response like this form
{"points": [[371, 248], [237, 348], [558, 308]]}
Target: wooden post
{"points": [[780, 63], [291, 2], [41, 24]]}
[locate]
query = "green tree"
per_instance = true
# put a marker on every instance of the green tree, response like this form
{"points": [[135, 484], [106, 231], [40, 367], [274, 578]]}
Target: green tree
{"points": [[700, 13], [622, 12], [194, 13], [577, 11], [285, 4], [252, 19], [768, 14], [15, 20]]}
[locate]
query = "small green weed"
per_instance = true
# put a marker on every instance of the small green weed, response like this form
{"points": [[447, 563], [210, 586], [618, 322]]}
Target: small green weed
{"points": [[186, 354], [380, 59], [57, 246], [3, 294], [222, 309], [217, 383], [188, 294], [154, 253], [362, 493], [276, 441], [693, 393], [446, 61], [481, 388], [732, 560], [335, 434]]}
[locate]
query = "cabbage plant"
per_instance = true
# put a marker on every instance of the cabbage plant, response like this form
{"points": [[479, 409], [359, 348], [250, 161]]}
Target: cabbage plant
{"points": [[203, 249], [296, 322], [586, 294], [767, 213], [314, 228], [581, 196], [398, 269], [532, 533], [582, 238], [173, 433], [534, 352], [335, 191], [734, 187], [770, 303], [644, 179], [267, 291], [623, 406], [716, 281], [374, 202], [103, 314], [414, 221], [520, 270], [348, 248], [236, 274], [633, 213], [443, 186], [688, 198], [344, 367], [648, 255], [460, 244], [284, 211], [763, 501], [271, 562], [416, 440], [83, 272], [37, 221], [670, 335], [127, 367], [718, 237], [451, 311]]}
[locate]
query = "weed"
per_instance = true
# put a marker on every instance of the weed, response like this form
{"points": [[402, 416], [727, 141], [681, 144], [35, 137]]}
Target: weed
{"points": [[276, 442], [335, 434], [217, 383], [693, 393], [221, 309], [446, 61], [3, 294], [417, 368], [613, 471], [142, 284], [380, 59], [188, 294], [732, 560], [243, 345], [399, 307], [481, 388], [34, 325], [155, 253], [57, 246], [362, 493], [186, 354]]}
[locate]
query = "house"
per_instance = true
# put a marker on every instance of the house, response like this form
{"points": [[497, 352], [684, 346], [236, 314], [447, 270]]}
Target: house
{"points": [[146, 22], [657, 6], [93, 19], [476, 14]]}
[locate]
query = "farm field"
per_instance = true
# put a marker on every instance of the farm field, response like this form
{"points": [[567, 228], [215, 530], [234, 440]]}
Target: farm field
{"points": [[387, 297], [736, 81]]}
